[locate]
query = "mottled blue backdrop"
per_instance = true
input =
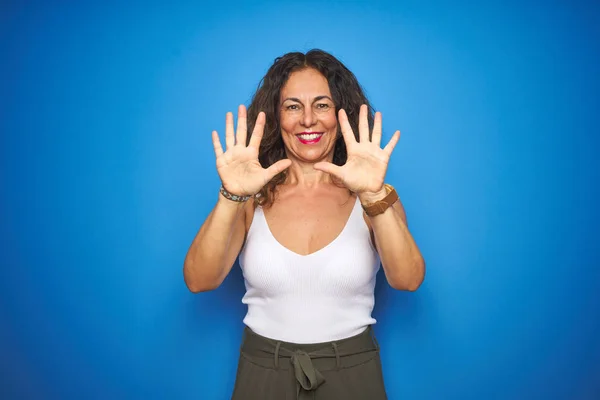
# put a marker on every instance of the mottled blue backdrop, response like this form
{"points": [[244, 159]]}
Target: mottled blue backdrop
{"points": [[107, 172]]}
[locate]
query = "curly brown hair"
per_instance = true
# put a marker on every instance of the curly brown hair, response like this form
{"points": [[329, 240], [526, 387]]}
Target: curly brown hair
{"points": [[346, 92]]}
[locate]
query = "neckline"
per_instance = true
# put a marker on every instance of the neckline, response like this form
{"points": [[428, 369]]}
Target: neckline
{"points": [[322, 249]]}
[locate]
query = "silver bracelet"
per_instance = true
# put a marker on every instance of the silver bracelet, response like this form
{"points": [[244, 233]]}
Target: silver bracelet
{"points": [[233, 197]]}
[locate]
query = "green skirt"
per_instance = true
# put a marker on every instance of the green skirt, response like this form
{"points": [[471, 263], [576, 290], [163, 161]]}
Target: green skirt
{"points": [[348, 369]]}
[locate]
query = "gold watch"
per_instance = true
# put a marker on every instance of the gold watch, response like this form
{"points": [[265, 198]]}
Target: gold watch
{"points": [[373, 209]]}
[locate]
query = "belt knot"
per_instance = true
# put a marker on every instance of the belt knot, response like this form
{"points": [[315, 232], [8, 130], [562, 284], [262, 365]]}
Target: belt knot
{"points": [[308, 377]]}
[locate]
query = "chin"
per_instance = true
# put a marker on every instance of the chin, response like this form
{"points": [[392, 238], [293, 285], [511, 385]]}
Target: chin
{"points": [[313, 156]]}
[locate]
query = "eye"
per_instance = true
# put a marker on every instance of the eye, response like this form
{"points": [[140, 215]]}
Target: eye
{"points": [[292, 107], [322, 106]]}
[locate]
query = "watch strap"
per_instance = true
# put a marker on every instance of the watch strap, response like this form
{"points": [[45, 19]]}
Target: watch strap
{"points": [[378, 207]]}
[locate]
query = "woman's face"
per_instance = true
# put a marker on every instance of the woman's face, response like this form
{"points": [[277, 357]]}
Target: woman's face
{"points": [[307, 117]]}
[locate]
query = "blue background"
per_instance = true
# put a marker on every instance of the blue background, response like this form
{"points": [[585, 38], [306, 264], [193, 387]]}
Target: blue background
{"points": [[107, 172]]}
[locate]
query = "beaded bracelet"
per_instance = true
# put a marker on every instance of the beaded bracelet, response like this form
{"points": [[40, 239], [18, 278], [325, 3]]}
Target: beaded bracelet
{"points": [[233, 197]]}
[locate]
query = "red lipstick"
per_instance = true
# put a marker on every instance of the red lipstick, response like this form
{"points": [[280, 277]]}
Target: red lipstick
{"points": [[309, 137]]}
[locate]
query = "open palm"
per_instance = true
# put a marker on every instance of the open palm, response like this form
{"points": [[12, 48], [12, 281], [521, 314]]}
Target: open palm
{"points": [[238, 166], [367, 162]]}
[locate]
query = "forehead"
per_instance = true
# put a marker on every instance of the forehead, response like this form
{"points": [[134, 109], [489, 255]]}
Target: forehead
{"points": [[307, 82]]}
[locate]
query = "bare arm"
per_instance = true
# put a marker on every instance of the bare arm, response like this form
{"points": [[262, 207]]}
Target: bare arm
{"points": [[215, 247], [364, 173], [402, 262], [220, 239]]}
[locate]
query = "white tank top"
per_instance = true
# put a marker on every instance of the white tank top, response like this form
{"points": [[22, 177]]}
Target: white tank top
{"points": [[324, 296]]}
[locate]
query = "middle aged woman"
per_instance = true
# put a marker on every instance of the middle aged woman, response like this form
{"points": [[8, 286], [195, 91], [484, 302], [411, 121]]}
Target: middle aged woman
{"points": [[304, 205]]}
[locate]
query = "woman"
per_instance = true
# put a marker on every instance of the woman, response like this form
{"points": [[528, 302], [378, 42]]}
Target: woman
{"points": [[304, 206]]}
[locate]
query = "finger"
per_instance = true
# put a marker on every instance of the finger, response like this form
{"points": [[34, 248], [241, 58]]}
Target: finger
{"points": [[257, 132], [347, 133], [242, 129], [229, 135], [330, 169], [277, 168], [363, 124], [376, 138], [392, 143], [217, 144]]}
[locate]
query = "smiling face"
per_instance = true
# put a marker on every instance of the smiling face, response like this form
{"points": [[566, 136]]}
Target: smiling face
{"points": [[307, 117]]}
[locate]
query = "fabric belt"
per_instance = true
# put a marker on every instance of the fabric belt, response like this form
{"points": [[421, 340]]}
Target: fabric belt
{"points": [[300, 357]]}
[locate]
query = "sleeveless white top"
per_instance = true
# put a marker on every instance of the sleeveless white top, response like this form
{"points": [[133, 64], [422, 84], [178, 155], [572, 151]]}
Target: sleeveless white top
{"points": [[324, 296]]}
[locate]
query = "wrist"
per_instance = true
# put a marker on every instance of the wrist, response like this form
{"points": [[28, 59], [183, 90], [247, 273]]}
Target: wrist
{"points": [[231, 201], [233, 207], [372, 197], [377, 203], [224, 200], [232, 196]]}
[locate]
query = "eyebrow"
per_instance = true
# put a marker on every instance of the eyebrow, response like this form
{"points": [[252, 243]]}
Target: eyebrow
{"points": [[316, 99]]}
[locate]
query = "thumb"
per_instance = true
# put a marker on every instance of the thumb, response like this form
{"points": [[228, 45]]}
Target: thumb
{"points": [[277, 168], [329, 168]]}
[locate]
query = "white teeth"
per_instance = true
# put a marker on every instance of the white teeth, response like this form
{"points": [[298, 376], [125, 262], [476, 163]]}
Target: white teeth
{"points": [[310, 136]]}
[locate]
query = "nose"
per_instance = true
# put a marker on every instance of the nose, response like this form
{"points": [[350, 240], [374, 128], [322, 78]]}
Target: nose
{"points": [[308, 117]]}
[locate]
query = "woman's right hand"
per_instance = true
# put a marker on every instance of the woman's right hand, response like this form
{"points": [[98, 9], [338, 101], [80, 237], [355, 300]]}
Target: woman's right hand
{"points": [[238, 167]]}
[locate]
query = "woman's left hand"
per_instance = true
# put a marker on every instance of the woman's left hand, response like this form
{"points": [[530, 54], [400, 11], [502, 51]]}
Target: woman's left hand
{"points": [[366, 166]]}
